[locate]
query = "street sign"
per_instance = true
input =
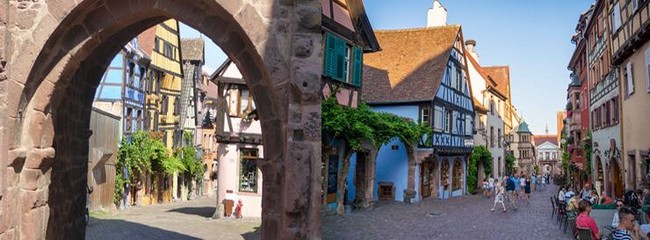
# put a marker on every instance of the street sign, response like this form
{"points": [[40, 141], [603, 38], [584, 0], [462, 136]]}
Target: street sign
{"points": [[469, 142]]}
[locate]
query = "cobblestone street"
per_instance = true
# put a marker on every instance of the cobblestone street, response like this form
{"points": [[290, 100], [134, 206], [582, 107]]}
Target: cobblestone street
{"points": [[184, 220], [459, 218]]}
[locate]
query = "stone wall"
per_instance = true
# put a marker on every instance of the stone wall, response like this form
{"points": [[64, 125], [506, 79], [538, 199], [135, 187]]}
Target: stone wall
{"points": [[57, 51]]}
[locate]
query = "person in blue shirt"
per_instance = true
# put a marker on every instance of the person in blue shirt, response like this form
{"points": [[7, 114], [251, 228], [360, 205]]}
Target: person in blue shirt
{"points": [[517, 182], [511, 186]]}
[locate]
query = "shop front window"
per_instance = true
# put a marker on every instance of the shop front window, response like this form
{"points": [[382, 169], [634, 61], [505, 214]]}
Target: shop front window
{"points": [[248, 171]]}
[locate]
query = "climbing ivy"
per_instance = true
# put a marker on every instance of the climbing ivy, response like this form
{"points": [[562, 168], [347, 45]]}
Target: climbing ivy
{"points": [[187, 155], [355, 125], [143, 152], [479, 154], [587, 149]]}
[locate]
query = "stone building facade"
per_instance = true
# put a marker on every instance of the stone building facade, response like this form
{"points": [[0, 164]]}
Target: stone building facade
{"points": [[45, 107]]}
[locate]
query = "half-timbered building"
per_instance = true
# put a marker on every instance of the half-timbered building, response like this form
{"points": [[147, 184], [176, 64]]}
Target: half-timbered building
{"points": [[422, 74], [631, 54], [239, 142]]}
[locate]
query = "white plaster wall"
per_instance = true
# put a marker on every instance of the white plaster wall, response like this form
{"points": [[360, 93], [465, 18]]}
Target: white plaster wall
{"points": [[437, 15], [228, 179], [232, 72], [497, 123], [478, 84], [254, 127]]}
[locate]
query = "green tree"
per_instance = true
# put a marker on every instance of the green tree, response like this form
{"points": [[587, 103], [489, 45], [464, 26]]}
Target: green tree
{"points": [[480, 154], [510, 163]]}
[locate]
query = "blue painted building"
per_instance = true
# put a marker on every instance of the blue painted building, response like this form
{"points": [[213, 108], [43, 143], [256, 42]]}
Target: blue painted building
{"points": [[347, 35], [121, 90], [422, 74]]}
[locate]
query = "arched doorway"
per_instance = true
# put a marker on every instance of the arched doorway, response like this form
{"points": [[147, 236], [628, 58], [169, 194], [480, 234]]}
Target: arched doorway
{"points": [[73, 44], [600, 176], [426, 179], [435, 175], [480, 173], [445, 178], [457, 185]]}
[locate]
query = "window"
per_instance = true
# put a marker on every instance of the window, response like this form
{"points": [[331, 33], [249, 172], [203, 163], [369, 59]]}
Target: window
{"points": [[629, 79], [248, 170], [129, 120], [168, 50], [140, 120], [156, 44], [469, 125], [438, 121], [424, 115], [165, 105], [459, 80], [635, 5], [343, 62], [491, 136], [244, 103], [499, 137], [131, 74], [608, 114], [615, 110], [616, 18], [177, 105], [647, 69], [448, 75], [492, 107], [448, 121], [577, 99], [460, 124]]}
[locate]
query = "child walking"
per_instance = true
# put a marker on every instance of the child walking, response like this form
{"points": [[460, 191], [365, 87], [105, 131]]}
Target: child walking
{"points": [[498, 197]]}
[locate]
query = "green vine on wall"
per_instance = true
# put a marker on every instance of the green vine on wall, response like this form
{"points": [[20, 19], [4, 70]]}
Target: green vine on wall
{"points": [[587, 150], [143, 153], [479, 154]]}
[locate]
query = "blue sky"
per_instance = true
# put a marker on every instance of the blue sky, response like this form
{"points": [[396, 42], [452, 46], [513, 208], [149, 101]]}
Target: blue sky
{"points": [[531, 36]]}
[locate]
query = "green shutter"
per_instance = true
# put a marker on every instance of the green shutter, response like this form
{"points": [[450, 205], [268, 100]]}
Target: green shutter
{"points": [[329, 62], [357, 67], [334, 65], [340, 51]]}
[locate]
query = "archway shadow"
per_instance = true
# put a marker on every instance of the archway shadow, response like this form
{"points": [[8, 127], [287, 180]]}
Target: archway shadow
{"points": [[120, 229], [254, 235], [200, 211]]}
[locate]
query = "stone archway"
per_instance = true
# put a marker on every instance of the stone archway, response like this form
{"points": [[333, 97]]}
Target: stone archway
{"points": [[55, 62]]}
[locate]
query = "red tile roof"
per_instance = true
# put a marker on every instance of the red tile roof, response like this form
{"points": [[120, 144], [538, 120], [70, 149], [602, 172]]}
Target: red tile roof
{"points": [[540, 139], [501, 76], [410, 66]]}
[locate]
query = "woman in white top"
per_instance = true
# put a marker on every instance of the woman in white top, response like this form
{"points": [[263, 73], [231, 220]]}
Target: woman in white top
{"points": [[498, 197]]}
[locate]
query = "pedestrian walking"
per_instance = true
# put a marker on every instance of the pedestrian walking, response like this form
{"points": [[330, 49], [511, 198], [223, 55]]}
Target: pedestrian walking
{"points": [[533, 180], [511, 196], [491, 187], [484, 187], [498, 197], [527, 190]]}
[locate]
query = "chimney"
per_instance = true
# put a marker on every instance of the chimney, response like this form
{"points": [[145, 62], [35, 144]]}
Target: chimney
{"points": [[470, 46], [437, 15]]}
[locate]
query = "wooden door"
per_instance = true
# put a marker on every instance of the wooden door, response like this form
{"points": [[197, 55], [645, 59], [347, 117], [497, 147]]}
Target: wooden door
{"points": [[425, 176]]}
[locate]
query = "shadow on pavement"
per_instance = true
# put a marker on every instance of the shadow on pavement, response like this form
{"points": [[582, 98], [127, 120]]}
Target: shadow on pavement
{"points": [[120, 229], [201, 211], [254, 235]]}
